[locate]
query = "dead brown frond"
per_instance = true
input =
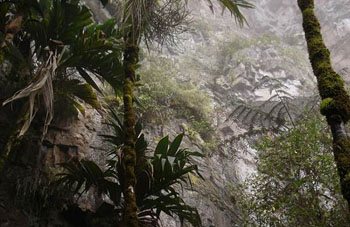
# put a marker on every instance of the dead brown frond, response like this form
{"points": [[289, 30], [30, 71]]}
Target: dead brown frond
{"points": [[40, 86]]}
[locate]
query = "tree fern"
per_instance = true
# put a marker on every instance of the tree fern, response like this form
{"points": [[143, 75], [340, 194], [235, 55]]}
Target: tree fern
{"points": [[279, 112]]}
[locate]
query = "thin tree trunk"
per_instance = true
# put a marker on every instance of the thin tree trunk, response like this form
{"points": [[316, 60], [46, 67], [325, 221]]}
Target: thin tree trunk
{"points": [[335, 100], [14, 139], [10, 31], [129, 153]]}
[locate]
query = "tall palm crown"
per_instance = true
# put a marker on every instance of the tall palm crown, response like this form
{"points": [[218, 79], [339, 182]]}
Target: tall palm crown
{"points": [[147, 19], [160, 20]]}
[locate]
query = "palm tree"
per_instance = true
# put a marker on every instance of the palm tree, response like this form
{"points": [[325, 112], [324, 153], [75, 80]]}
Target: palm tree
{"points": [[335, 103], [65, 38], [139, 21], [157, 177]]}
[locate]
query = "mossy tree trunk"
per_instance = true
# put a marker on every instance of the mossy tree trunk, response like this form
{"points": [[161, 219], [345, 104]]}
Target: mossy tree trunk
{"points": [[14, 138], [128, 151], [335, 100], [10, 31]]}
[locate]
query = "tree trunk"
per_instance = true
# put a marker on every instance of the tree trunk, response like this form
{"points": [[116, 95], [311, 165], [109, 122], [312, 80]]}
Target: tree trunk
{"points": [[128, 151], [335, 100], [10, 31], [14, 138]]}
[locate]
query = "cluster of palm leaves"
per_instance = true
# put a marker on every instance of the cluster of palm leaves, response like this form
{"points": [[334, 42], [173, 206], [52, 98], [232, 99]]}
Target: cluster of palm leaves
{"points": [[56, 50], [60, 52], [159, 177], [52, 55]]}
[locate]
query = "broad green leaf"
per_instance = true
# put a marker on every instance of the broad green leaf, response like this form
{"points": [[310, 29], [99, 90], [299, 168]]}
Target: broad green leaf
{"points": [[175, 144], [141, 144], [163, 161], [108, 27], [138, 128], [88, 79], [162, 146]]}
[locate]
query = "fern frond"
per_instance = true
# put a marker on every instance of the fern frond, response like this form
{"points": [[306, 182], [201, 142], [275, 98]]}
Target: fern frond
{"points": [[234, 7], [273, 115], [277, 111], [251, 116], [271, 83]]}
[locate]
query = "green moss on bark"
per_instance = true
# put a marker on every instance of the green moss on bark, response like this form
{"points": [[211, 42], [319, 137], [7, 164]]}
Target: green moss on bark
{"points": [[335, 100], [327, 105], [129, 154], [330, 84]]}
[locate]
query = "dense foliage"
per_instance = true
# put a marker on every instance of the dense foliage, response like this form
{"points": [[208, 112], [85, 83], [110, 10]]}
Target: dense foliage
{"points": [[50, 62], [335, 105], [163, 98], [56, 53], [296, 183], [158, 177], [54, 58]]}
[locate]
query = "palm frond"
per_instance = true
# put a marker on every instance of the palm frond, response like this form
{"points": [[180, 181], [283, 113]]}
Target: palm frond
{"points": [[82, 175], [76, 89], [234, 7], [157, 177], [135, 17], [154, 21], [171, 167]]}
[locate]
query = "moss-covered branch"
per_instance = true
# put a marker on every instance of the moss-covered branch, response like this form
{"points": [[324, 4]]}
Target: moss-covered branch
{"points": [[335, 100], [129, 153]]}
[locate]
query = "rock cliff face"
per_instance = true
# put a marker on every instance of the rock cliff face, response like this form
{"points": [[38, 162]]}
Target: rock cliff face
{"points": [[225, 63]]}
